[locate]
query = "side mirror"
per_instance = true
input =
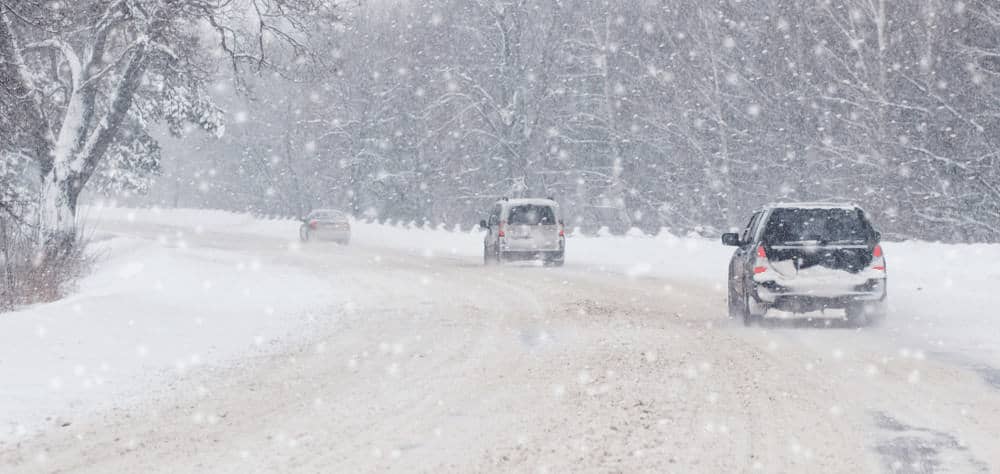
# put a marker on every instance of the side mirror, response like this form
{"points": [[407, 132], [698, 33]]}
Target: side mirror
{"points": [[878, 236], [482, 225], [731, 239]]}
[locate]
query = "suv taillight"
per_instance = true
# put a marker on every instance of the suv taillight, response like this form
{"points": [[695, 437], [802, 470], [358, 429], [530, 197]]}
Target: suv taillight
{"points": [[313, 224], [878, 259], [500, 231], [760, 265]]}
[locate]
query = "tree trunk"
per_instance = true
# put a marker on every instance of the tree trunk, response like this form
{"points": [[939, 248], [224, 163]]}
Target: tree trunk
{"points": [[616, 191], [57, 213], [7, 269]]}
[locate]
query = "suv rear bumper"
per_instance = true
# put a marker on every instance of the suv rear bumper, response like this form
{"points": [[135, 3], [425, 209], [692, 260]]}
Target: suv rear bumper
{"points": [[550, 255], [782, 297]]}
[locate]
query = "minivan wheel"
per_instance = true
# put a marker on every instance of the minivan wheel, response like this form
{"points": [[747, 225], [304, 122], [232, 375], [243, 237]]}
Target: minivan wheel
{"points": [[492, 258], [554, 259]]}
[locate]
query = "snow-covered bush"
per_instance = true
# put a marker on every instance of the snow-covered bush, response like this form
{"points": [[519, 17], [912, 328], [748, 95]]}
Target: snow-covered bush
{"points": [[30, 273]]}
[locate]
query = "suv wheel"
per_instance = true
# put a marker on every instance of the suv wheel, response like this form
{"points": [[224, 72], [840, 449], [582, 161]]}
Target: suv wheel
{"points": [[748, 317], [870, 314], [751, 311], [735, 305]]}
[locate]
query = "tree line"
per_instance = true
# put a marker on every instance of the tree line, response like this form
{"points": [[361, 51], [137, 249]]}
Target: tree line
{"points": [[679, 114]]}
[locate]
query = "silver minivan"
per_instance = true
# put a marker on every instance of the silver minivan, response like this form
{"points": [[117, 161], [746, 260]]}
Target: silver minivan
{"points": [[524, 229]]}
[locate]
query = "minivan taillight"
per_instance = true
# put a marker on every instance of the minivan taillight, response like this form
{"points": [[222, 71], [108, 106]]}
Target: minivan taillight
{"points": [[760, 265], [500, 231]]}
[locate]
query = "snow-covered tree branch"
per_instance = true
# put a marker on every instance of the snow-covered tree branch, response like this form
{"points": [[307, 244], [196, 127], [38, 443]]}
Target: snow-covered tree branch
{"points": [[90, 77]]}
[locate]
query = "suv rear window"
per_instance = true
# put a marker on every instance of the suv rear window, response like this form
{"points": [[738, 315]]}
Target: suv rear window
{"points": [[817, 225], [530, 214]]}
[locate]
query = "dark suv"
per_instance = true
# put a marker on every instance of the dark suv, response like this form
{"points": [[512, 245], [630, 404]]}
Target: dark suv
{"points": [[807, 257]]}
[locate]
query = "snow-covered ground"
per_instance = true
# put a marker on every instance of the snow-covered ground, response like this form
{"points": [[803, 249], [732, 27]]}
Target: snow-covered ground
{"points": [[151, 310], [180, 292]]}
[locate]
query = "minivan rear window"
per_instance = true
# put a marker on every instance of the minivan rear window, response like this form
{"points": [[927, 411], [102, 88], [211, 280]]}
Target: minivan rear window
{"points": [[817, 225], [328, 215], [530, 214]]}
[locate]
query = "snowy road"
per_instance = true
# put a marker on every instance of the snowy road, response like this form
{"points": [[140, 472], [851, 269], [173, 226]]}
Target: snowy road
{"points": [[433, 363]]}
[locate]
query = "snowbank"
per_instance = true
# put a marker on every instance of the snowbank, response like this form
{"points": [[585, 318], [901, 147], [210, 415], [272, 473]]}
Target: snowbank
{"points": [[944, 296], [150, 311]]}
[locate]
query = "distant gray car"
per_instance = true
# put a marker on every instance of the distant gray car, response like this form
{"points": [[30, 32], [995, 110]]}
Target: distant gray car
{"points": [[326, 224]]}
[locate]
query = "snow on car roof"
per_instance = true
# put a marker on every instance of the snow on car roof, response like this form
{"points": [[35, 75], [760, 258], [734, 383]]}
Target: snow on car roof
{"points": [[812, 205], [531, 201], [327, 212]]}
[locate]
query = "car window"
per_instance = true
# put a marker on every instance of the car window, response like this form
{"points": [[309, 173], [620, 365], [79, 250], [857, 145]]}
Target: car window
{"points": [[817, 225], [758, 222], [748, 231], [530, 214], [327, 215]]}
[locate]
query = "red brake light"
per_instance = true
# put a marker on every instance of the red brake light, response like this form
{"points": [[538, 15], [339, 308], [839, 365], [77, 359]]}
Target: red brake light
{"points": [[500, 227], [879, 261], [313, 224], [761, 266], [562, 232]]}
